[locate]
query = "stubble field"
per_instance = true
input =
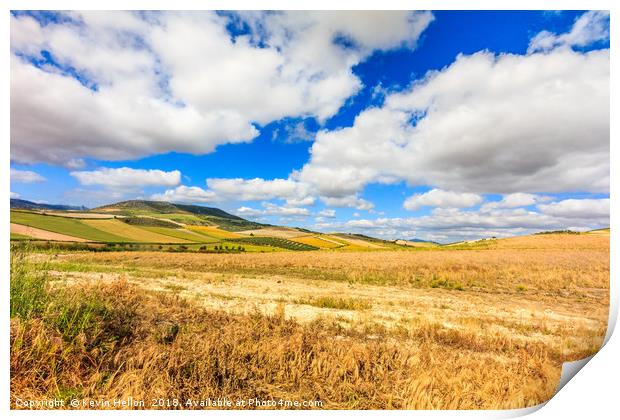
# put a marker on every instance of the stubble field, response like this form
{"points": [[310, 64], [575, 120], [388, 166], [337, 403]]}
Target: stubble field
{"points": [[485, 325]]}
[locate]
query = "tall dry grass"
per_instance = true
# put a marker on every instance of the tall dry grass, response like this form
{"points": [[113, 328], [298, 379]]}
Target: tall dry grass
{"points": [[112, 340], [179, 351]]}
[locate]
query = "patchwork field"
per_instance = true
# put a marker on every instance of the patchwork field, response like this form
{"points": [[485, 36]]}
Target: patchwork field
{"points": [[28, 232], [132, 233], [185, 234], [64, 226], [487, 326]]}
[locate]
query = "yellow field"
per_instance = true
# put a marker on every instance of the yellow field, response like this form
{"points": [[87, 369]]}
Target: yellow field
{"points": [[435, 328], [318, 242], [415, 244], [214, 232], [116, 227], [356, 243]]}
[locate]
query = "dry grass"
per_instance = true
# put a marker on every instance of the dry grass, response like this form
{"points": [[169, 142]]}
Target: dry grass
{"points": [[177, 351], [426, 329], [568, 266]]}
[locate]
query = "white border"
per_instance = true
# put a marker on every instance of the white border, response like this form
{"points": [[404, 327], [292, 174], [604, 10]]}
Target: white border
{"points": [[594, 391]]}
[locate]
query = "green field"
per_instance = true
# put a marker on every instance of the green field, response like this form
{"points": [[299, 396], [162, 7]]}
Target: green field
{"points": [[19, 236], [276, 242], [64, 225]]}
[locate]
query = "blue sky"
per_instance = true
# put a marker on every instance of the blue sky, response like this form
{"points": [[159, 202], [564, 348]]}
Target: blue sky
{"points": [[439, 125]]}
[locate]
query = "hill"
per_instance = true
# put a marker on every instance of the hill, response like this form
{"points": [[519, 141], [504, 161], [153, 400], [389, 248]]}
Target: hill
{"points": [[422, 241], [16, 203], [180, 213]]}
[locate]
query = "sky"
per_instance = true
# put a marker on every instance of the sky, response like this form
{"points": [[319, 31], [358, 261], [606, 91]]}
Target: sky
{"points": [[442, 126]]}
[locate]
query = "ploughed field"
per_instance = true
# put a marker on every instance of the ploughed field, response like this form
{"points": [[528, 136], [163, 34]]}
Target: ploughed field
{"points": [[482, 326]]}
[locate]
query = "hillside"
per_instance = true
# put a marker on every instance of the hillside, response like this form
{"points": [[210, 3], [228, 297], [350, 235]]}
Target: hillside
{"points": [[180, 213], [16, 203]]}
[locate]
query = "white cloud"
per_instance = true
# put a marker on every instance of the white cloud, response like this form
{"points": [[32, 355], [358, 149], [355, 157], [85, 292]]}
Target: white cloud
{"points": [[159, 82], [25, 177], [259, 189], [515, 200], [300, 202], [185, 194], [590, 27], [484, 124], [294, 133], [270, 209], [577, 208], [443, 199], [294, 192], [128, 178], [453, 224], [244, 211], [328, 213], [352, 201], [15, 195]]}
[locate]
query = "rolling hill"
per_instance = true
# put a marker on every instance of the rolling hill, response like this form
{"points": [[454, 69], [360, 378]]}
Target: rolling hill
{"points": [[16, 203], [155, 225], [180, 213]]}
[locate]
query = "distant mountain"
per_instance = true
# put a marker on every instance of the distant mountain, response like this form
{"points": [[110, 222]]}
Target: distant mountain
{"points": [[184, 213], [423, 240], [16, 203]]}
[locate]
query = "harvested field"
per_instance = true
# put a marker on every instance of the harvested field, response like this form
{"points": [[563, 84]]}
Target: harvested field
{"points": [[43, 234], [358, 242], [435, 328]]}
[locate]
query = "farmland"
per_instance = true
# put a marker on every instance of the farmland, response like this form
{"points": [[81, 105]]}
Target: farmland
{"points": [[63, 225], [480, 325], [149, 223]]}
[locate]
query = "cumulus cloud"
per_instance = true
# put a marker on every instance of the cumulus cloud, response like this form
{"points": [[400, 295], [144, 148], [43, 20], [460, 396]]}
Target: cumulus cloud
{"points": [[516, 200], [294, 192], [270, 209], [577, 208], [455, 224], [352, 201], [590, 27], [122, 85], [293, 133], [259, 189], [25, 177], [328, 213], [485, 124], [15, 195], [185, 194], [442, 199], [127, 178]]}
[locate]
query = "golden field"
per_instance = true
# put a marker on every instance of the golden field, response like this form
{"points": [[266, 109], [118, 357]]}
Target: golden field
{"points": [[484, 325]]}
